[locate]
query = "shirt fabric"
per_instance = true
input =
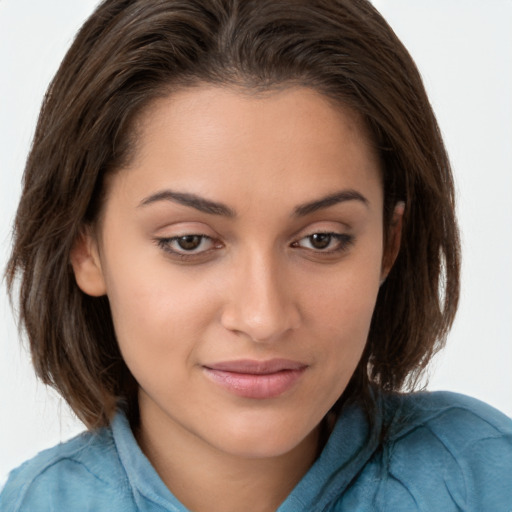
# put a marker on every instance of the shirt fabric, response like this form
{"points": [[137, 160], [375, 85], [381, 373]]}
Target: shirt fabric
{"points": [[439, 452]]}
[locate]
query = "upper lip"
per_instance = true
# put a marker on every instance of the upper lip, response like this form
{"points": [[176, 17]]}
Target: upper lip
{"points": [[250, 366]]}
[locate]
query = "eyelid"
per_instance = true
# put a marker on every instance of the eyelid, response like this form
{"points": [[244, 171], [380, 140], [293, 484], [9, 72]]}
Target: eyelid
{"points": [[341, 231], [165, 244], [335, 224], [344, 241]]}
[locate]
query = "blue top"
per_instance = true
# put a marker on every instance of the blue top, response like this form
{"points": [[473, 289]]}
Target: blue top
{"points": [[440, 452]]}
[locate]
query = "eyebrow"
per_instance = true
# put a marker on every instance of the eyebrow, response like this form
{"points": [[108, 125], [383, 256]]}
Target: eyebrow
{"points": [[191, 200], [330, 200], [215, 208]]}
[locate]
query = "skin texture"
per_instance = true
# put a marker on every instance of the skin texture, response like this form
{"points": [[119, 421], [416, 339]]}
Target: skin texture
{"points": [[259, 287]]}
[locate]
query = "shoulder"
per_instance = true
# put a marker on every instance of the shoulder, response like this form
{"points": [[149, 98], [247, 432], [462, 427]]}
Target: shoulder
{"points": [[445, 447], [439, 412], [437, 451], [62, 477]]}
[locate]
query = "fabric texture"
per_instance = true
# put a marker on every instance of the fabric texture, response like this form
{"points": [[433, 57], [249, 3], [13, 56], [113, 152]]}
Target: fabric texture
{"points": [[439, 452]]}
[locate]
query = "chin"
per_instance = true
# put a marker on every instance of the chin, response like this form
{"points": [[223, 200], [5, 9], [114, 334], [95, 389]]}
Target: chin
{"points": [[261, 438]]}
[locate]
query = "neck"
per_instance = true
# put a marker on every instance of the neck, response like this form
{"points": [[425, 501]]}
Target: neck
{"points": [[206, 479]]}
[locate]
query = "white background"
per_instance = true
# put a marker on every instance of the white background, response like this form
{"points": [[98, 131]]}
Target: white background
{"points": [[464, 51]]}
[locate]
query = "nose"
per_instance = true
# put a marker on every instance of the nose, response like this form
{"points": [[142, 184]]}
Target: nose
{"points": [[261, 304]]}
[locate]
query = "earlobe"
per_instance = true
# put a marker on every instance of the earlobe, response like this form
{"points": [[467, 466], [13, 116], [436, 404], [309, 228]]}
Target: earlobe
{"points": [[393, 240], [86, 264]]}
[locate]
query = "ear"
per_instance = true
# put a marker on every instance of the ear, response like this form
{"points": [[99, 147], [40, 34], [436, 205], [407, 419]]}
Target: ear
{"points": [[86, 264], [393, 240]]}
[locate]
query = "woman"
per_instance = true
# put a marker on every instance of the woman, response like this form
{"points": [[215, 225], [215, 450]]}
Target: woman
{"points": [[236, 245]]}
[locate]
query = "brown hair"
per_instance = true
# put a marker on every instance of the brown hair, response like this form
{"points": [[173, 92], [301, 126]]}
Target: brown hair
{"points": [[131, 51]]}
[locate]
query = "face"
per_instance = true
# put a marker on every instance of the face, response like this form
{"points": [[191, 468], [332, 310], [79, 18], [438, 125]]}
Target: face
{"points": [[241, 252]]}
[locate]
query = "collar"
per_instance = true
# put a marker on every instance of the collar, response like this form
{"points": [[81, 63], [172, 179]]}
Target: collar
{"points": [[349, 447]]}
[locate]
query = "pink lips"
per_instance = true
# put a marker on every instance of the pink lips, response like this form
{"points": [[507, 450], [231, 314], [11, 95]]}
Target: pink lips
{"points": [[256, 379]]}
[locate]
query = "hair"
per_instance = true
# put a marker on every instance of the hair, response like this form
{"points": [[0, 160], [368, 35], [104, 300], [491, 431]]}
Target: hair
{"points": [[130, 52]]}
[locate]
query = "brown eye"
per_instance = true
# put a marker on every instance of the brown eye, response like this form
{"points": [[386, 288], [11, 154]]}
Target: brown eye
{"points": [[320, 240], [187, 245], [325, 243], [189, 242]]}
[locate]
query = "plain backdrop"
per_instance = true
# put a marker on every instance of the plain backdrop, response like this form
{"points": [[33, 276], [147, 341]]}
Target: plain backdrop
{"points": [[464, 51]]}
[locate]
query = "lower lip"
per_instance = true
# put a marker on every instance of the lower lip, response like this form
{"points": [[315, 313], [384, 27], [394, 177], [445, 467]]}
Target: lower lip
{"points": [[259, 386]]}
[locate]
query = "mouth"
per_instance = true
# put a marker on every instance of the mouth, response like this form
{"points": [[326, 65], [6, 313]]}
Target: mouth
{"points": [[256, 379]]}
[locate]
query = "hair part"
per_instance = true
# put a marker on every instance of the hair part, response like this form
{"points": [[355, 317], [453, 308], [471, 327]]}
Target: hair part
{"points": [[130, 52]]}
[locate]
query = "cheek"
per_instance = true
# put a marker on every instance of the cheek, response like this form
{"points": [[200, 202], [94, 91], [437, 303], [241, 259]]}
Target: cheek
{"points": [[345, 297], [157, 313], [160, 330], [340, 312]]}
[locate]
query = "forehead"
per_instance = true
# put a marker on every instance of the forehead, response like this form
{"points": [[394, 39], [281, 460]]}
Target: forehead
{"points": [[230, 143]]}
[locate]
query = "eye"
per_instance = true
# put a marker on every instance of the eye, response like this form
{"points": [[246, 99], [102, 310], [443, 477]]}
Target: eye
{"points": [[189, 242], [186, 245], [325, 242]]}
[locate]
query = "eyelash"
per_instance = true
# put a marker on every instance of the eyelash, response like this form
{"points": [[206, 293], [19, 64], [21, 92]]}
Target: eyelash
{"points": [[344, 241], [166, 245]]}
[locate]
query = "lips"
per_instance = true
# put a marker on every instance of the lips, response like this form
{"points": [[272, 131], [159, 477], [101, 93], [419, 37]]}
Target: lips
{"points": [[256, 379]]}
